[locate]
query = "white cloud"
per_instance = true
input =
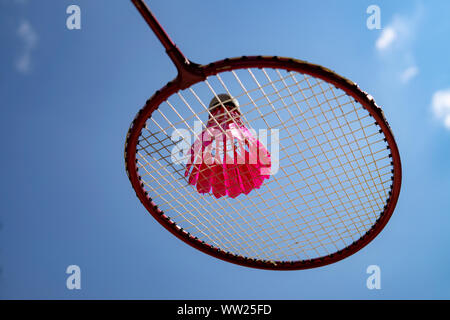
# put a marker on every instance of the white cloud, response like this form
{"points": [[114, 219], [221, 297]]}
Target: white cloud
{"points": [[398, 34], [29, 39], [447, 121], [395, 45], [386, 38], [23, 63], [409, 73], [441, 106]]}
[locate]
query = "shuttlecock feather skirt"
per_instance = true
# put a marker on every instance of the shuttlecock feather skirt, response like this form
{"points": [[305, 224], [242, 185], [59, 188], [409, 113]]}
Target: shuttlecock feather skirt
{"points": [[227, 160]]}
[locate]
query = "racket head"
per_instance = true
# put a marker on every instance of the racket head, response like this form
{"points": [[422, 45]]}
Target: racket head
{"points": [[276, 63]]}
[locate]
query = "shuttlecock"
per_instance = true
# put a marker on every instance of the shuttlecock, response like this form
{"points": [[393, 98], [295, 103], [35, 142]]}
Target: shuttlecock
{"points": [[227, 159]]}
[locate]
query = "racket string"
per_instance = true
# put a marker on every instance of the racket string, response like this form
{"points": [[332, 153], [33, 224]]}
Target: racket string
{"points": [[334, 159]]}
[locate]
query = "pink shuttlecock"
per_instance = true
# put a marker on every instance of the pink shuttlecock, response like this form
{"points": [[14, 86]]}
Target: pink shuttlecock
{"points": [[227, 159]]}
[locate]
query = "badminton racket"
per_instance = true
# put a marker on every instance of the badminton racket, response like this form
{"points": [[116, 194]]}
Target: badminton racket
{"points": [[332, 167]]}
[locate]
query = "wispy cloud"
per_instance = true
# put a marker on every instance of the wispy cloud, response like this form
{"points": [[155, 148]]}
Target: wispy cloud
{"points": [[29, 39], [399, 33], [386, 38], [441, 106], [409, 73], [395, 44]]}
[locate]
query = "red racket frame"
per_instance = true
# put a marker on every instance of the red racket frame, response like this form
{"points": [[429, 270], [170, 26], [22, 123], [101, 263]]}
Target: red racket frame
{"points": [[190, 73]]}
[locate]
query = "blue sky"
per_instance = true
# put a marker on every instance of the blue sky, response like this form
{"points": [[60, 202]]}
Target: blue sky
{"points": [[68, 97]]}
